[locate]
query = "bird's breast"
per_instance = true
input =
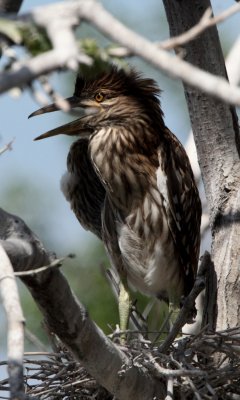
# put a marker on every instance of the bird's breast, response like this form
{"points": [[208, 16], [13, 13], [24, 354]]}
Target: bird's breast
{"points": [[125, 172], [100, 154]]}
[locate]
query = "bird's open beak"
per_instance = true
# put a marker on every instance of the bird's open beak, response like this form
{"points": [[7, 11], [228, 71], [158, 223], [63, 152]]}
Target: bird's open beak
{"points": [[71, 128]]}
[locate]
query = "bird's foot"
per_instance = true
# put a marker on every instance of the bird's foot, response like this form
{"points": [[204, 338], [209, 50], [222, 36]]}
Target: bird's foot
{"points": [[124, 306], [174, 312]]}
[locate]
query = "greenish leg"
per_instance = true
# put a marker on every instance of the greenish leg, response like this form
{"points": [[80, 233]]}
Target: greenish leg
{"points": [[124, 306], [174, 312], [174, 307]]}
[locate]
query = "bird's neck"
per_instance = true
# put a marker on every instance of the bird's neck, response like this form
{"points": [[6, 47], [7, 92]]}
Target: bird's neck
{"points": [[125, 158]]}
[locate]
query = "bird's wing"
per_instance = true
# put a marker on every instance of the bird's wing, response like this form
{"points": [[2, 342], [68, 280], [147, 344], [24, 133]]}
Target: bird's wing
{"points": [[110, 238], [83, 189], [182, 204]]}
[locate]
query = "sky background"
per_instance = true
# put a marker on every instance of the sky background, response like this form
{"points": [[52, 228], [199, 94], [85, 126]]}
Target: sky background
{"points": [[31, 172]]}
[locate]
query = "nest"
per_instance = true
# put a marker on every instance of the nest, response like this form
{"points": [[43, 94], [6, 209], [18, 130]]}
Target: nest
{"points": [[204, 366]]}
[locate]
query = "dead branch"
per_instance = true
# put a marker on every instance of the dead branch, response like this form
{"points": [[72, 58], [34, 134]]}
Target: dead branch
{"points": [[205, 22], [68, 319], [60, 19], [8, 146], [55, 263]]}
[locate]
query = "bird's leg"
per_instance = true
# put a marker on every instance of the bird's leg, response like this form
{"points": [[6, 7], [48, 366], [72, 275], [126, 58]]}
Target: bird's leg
{"points": [[174, 308], [173, 311], [124, 307]]}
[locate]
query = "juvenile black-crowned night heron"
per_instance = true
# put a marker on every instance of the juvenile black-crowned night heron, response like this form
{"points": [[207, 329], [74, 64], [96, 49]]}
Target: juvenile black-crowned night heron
{"points": [[130, 182]]}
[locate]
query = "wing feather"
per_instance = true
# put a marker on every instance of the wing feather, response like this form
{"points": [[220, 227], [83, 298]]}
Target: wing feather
{"points": [[83, 188], [182, 204]]}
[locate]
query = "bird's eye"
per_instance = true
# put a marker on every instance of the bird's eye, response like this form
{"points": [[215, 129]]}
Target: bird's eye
{"points": [[99, 97]]}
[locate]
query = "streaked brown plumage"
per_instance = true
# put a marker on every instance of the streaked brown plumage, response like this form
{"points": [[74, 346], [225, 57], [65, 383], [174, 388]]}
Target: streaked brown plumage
{"points": [[83, 189], [130, 182]]}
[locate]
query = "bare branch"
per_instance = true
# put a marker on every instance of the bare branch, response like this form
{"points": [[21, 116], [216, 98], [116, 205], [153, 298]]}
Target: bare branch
{"points": [[8, 146], [12, 307], [159, 371], [171, 65], [69, 320], [205, 22], [25, 72], [53, 264], [62, 17]]}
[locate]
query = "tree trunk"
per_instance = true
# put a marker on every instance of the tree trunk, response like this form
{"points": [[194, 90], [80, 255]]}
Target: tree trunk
{"points": [[216, 134]]}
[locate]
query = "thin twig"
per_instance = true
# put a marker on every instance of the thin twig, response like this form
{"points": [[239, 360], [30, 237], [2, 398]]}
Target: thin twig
{"points": [[55, 263], [190, 371], [205, 22], [159, 371], [8, 146], [195, 391]]}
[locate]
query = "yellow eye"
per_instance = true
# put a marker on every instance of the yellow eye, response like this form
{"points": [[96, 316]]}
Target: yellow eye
{"points": [[99, 97]]}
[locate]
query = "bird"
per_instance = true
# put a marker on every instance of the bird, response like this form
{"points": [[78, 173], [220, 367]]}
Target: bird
{"points": [[130, 182]]}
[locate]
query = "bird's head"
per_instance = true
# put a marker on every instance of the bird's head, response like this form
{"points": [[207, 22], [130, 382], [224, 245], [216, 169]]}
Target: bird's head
{"points": [[113, 97]]}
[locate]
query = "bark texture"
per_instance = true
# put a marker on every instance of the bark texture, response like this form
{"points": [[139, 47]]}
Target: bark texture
{"points": [[216, 134]]}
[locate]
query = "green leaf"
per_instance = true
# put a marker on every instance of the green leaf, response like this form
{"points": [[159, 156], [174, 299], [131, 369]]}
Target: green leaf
{"points": [[35, 39]]}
